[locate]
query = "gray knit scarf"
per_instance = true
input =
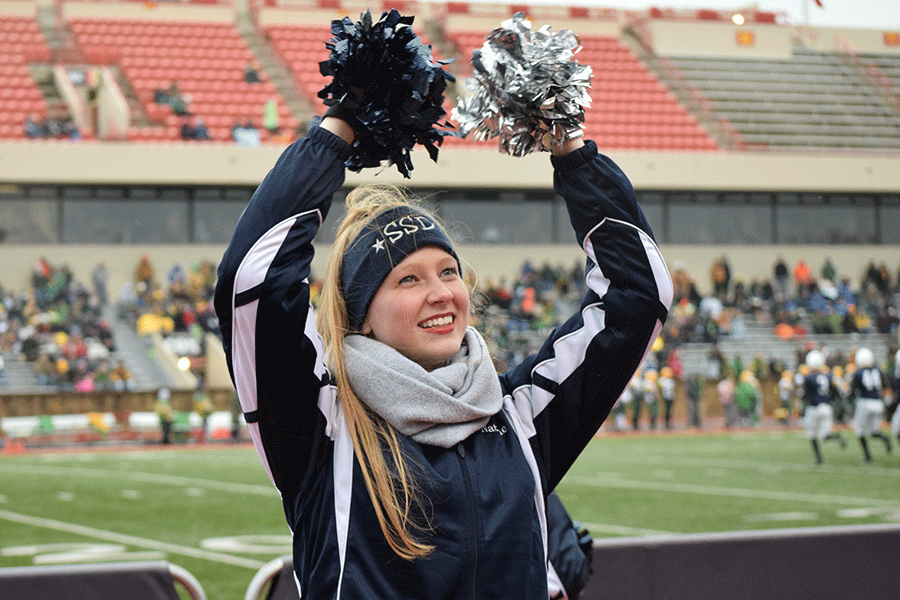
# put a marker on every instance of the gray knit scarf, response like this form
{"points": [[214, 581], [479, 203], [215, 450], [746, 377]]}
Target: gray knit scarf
{"points": [[441, 407]]}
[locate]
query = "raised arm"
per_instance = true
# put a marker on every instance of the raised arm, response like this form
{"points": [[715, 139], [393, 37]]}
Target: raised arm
{"points": [[572, 383], [262, 300]]}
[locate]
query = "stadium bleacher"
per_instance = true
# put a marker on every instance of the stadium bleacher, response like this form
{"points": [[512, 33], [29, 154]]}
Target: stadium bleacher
{"points": [[812, 100], [207, 60], [301, 48], [21, 43], [767, 101]]}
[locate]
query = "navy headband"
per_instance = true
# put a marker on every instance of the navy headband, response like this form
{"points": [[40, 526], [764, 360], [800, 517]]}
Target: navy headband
{"points": [[382, 244]]}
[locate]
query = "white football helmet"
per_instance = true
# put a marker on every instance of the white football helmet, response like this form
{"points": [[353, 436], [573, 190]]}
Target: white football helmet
{"points": [[864, 358], [815, 359]]}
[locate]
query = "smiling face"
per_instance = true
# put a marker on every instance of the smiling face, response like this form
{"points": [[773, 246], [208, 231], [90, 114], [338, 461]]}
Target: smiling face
{"points": [[421, 309]]}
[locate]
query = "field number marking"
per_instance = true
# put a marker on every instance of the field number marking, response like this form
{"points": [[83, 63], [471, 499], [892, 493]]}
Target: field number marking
{"points": [[45, 554], [130, 540]]}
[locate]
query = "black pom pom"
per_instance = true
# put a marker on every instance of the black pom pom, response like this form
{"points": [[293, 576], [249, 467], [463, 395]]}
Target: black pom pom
{"points": [[384, 75]]}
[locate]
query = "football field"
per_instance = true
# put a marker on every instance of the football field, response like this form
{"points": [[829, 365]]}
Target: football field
{"points": [[211, 509]]}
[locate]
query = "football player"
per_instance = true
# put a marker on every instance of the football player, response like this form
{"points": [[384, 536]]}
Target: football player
{"points": [[818, 416], [867, 388]]}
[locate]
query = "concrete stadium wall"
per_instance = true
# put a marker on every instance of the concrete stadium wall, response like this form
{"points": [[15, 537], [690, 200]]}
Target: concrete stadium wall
{"points": [[115, 163], [720, 39], [14, 8], [686, 38], [147, 11], [863, 41]]}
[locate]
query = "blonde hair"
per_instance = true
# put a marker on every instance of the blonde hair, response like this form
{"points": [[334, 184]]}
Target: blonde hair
{"points": [[390, 484]]}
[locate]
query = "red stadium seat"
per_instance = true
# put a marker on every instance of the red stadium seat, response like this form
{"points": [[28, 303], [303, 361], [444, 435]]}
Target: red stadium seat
{"points": [[207, 59]]}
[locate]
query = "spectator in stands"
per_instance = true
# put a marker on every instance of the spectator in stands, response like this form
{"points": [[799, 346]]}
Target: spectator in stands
{"points": [[173, 97], [177, 275], [33, 129], [720, 275], [694, 395], [725, 390], [684, 285], [747, 398], [802, 278], [782, 277], [203, 406], [40, 273], [667, 385], [161, 96], [883, 282], [163, 409], [64, 374], [270, 116], [829, 272], [99, 278], [246, 134], [120, 378], [251, 72], [44, 372], [144, 273], [200, 130], [58, 124], [714, 366], [180, 106], [194, 129], [379, 350]]}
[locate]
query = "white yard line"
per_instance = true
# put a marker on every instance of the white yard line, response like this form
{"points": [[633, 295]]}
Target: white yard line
{"points": [[192, 482], [119, 538], [712, 490], [696, 461]]}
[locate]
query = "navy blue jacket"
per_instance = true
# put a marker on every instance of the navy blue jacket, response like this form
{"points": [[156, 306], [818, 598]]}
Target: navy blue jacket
{"points": [[487, 494]]}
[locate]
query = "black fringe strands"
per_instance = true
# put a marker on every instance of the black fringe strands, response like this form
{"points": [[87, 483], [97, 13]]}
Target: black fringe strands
{"points": [[385, 76]]}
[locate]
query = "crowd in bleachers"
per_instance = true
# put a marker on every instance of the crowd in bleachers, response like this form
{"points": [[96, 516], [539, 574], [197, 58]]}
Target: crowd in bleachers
{"points": [[57, 124], [181, 303], [517, 316], [57, 325], [794, 301]]}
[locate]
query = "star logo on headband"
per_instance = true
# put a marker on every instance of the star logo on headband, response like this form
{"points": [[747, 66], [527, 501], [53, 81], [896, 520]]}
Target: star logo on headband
{"points": [[378, 245]]}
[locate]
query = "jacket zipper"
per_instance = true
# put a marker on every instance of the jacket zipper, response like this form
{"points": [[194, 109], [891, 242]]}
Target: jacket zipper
{"points": [[470, 510]]}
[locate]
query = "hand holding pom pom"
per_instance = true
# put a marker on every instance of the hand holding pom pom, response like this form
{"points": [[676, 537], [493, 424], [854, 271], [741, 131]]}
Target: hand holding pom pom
{"points": [[387, 87], [528, 90]]}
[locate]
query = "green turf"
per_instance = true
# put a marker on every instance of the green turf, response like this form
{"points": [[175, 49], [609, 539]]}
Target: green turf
{"points": [[175, 503]]}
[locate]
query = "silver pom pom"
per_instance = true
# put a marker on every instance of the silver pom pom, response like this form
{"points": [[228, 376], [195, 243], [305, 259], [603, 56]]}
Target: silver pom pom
{"points": [[528, 89]]}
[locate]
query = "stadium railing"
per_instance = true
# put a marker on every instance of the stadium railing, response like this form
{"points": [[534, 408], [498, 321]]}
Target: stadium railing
{"points": [[152, 580], [818, 562], [274, 581]]}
